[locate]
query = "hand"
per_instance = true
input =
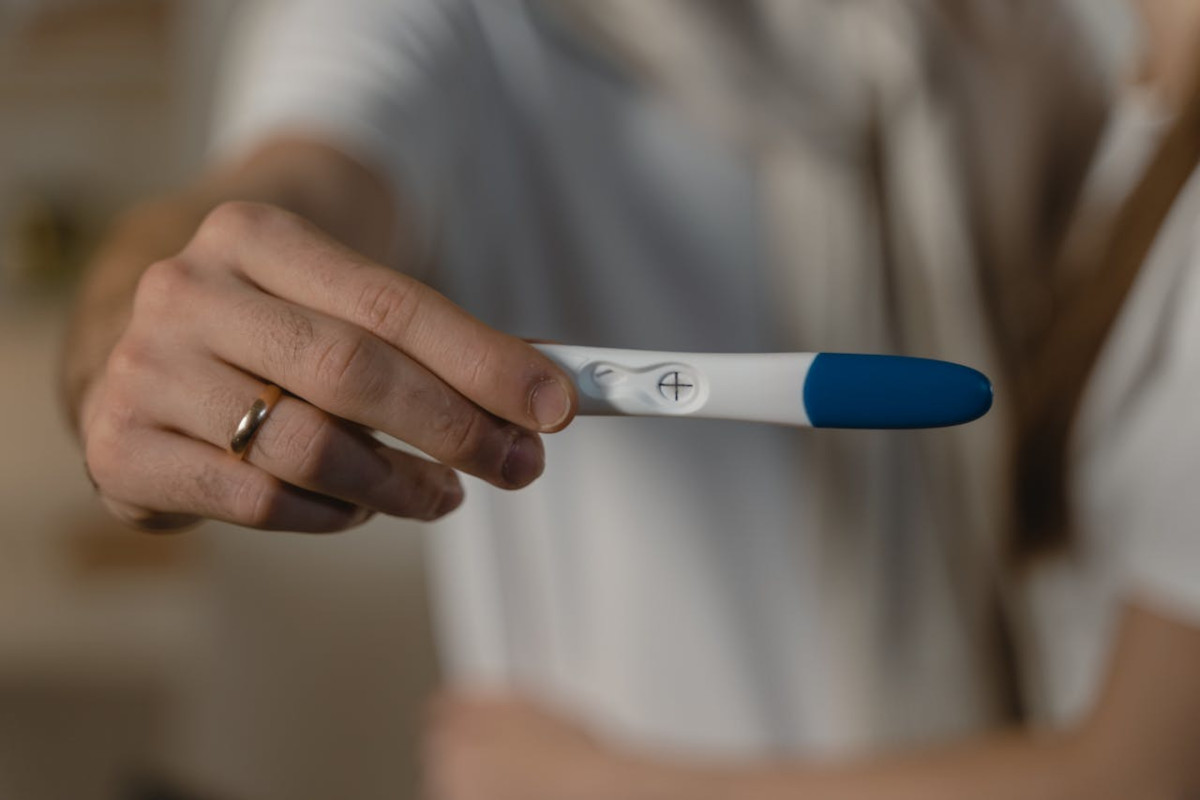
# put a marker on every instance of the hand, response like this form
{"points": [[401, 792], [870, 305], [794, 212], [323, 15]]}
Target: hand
{"points": [[259, 295], [503, 748], [1172, 36]]}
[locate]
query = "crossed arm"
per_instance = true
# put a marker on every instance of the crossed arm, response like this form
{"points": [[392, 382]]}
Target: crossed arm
{"points": [[1142, 742]]}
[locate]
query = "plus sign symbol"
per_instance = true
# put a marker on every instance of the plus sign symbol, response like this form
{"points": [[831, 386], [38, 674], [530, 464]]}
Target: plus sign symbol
{"points": [[676, 386]]}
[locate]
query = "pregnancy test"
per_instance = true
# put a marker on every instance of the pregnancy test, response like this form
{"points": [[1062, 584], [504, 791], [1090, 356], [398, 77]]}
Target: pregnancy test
{"points": [[812, 390]]}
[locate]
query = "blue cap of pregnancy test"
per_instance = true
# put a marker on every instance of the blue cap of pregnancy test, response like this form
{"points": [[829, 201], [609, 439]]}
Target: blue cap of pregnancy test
{"points": [[851, 390]]}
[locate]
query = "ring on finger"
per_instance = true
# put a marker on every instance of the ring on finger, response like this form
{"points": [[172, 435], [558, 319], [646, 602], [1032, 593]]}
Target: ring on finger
{"points": [[253, 419]]}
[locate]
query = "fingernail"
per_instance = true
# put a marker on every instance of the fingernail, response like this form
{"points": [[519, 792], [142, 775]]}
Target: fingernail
{"points": [[524, 462], [550, 403]]}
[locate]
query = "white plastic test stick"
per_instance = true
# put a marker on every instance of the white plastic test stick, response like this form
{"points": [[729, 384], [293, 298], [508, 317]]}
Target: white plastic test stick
{"points": [[821, 390]]}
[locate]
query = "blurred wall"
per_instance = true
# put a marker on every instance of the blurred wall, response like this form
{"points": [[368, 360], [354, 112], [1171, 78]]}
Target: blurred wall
{"points": [[233, 664]]}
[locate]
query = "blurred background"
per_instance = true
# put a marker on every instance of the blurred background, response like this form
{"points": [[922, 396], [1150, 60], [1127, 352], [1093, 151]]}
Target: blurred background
{"points": [[134, 666], [219, 664]]}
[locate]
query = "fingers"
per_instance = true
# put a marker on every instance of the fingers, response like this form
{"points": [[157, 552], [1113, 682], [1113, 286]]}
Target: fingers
{"points": [[261, 295], [304, 446], [151, 475], [147, 520], [499, 373], [353, 375]]}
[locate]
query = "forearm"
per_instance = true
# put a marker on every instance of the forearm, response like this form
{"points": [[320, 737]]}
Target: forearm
{"points": [[1013, 767], [1008, 767], [308, 179]]}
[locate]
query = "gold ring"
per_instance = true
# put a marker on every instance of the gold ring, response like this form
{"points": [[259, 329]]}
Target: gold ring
{"points": [[253, 420]]}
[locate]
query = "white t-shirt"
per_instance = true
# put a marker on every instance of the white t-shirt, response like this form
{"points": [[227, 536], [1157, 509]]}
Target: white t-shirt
{"points": [[665, 580], [1136, 454]]}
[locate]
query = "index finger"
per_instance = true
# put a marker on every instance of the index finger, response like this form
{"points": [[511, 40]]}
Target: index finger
{"points": [[293, 259]]}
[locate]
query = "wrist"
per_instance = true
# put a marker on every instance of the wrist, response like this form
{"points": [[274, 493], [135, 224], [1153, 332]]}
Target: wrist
{"points": [[641, 779], [143, 235]]}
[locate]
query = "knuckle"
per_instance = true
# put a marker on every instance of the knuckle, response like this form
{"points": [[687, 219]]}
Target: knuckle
{"points": [[123, 411], [310, 445], [286, 332], [436, 496], [476, 362], [235, 218], [388, 309], [128, 361], [466, 438], [119, 408], [161, 286], [420, 499], [102, 453], [347, 368], [257, 500], [445, 418]]}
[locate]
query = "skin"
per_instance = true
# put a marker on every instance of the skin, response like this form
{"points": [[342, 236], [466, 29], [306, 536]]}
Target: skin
{"points": [[1140, 740], [1168, 65], [270, 270], [1138, 743]]}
